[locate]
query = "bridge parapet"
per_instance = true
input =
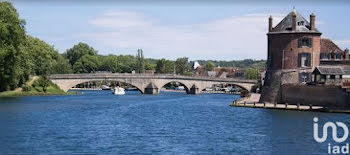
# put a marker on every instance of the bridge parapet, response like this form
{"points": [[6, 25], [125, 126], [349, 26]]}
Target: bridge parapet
{"points": [[149, 76]]}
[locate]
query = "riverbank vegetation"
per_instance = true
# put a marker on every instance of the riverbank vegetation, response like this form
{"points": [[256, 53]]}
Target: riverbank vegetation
{"points": [[34, 87], [23, 56]]}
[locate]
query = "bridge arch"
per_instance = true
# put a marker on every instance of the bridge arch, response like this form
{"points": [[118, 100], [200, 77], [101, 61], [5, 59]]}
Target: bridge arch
{"points": [[186, 84], [242, 86], [65, 85]]}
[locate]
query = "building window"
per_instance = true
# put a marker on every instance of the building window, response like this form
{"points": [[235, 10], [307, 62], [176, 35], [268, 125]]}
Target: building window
{"points": [[305, 42], [332, 77], [325, 56], [304, 60], [338, 57], [304, 77], [300, 23]]}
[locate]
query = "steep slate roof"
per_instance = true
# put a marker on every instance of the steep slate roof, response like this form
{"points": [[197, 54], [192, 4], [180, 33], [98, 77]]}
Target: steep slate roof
{"points": [[329, 70], [328, 46], [286, 24]]}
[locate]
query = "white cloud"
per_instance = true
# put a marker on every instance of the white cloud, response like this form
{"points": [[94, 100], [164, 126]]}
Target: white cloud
{"points": [[120, 19], [229, 38]]}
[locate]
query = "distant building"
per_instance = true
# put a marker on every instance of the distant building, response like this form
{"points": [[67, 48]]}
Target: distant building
{"points": [[195, 65], [331, 52], [239, 73], [211, 74], [328, 75]]}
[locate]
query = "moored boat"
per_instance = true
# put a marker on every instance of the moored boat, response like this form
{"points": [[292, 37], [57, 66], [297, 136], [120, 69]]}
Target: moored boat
{"points": [[118, 91], [105, 87]]}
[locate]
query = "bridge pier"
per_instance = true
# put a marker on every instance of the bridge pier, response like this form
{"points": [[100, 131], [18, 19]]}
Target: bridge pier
{"points": [[194, 90], [151, 89]]}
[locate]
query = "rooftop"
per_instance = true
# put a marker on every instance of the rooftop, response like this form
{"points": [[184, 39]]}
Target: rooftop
{"points": [[285, 26], [329, 70], [328, 46]]}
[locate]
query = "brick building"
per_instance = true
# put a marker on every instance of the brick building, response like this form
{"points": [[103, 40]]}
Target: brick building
{"points": [[295, 49]]}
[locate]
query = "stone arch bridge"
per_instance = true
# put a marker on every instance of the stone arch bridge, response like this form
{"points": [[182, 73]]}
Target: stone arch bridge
{"points": [[148, 83]]}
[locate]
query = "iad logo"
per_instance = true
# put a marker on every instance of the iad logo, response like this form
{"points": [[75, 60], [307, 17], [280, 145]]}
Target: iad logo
{"points": [[332, 149], [334, 131]]}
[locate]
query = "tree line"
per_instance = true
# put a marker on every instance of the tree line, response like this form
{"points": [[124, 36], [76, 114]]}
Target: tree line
{"points": [[22, 56]]}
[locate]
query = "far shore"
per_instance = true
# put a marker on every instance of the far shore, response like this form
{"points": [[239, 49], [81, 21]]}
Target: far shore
{"points": [[23, 93]]}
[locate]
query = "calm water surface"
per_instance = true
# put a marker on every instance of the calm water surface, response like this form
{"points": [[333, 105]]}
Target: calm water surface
{"points": [[98, 122]]}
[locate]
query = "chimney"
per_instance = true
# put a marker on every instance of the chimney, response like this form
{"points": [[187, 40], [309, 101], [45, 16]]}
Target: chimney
{"points": [[312, 22], [270, 23], [294, 20], [346, 51]]}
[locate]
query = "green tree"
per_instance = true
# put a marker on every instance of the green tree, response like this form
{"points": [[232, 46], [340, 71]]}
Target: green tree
{"points": [[43, 54], [77, 51], [126, 63], [12, 68], [42, 82], [182, 65], [149, 65], [252, 73], [86, 64], [140, 68], [109, 63], [61, 66], [164, 66], [209, 66]]}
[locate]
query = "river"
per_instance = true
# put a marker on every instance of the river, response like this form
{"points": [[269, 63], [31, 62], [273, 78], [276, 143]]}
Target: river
{"points": [[98, 122]]}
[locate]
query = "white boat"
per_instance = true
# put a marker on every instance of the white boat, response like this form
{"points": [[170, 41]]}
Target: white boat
{"points": [[105, 87], [118, 91]]}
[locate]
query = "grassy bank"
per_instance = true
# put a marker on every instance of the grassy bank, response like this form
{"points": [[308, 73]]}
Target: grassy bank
{"points": [[32, 89], [51, 90]]}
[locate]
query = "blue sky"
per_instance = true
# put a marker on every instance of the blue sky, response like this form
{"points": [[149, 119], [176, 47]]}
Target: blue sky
{"points": [[221, 31]]}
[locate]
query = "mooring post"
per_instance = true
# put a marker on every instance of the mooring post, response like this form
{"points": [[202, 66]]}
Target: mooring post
{"points": [[286, 105], [310, 106], [244, 103], [264, 105], [298, 106], [254, 104], [275, 105]]}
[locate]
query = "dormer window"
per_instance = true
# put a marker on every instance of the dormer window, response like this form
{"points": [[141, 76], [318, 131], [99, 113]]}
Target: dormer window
{"points": [[301, 23], [304, 42], [338, 57], [325, 56]]}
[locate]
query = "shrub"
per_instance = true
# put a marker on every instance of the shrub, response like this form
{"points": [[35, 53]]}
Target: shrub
{"points": [[27, 88], [188, 73]]}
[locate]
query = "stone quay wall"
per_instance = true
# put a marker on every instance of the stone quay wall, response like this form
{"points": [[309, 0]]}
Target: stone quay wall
{"points": [[333, 97]]}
